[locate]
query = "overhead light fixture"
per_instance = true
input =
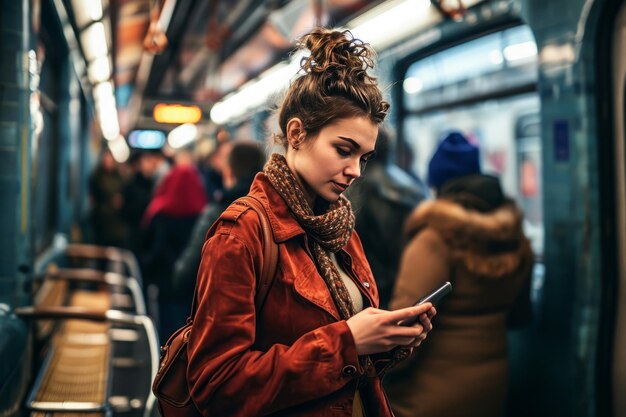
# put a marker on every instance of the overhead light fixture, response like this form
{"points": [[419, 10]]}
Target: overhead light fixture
{"points": [[412, 85], [256, 93], [177, 113], [519, 51], [103, 89], [401, 15], [119, 149], [146, 139], [182, 135], [109, 123], [86, 11], [406, 17], [93, 41], [106, 109], [99, 69]]}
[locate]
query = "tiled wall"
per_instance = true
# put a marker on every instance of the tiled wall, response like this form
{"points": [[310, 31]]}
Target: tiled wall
{"points": [[15, 354], [14, 150]]}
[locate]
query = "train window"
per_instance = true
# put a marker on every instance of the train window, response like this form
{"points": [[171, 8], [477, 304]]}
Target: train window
{"points": [[487, 89]]}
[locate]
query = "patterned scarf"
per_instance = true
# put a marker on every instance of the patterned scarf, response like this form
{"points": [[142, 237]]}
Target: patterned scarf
{"points": [[329, 232]]}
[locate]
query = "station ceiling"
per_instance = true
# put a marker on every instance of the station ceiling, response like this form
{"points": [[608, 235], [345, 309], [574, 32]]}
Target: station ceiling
{"points": [[212, 48]]}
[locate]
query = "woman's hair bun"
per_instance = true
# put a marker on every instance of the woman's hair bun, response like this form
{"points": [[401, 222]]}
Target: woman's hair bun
{"points": [[335, 83], [336, 56]]}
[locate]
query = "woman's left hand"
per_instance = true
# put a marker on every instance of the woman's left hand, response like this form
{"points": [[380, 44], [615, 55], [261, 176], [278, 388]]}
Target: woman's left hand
{"points": [[424, 322]]}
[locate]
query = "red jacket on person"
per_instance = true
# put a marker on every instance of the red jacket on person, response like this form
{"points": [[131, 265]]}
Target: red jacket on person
{"points": [[297, 358]]}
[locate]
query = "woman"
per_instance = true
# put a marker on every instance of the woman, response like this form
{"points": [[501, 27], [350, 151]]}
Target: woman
{"points": [[319, 345], [472, 236]]}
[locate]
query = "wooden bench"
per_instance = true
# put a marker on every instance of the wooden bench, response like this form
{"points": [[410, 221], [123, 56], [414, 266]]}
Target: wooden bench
{"points": [[90, 348]]}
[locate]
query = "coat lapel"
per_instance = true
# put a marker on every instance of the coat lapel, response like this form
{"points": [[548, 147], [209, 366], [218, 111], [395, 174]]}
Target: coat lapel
{"points": [[311, 286]]}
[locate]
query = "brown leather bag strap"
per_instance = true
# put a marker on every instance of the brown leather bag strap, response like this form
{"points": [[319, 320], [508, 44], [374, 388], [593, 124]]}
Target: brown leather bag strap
{"points": [[270, 256], [270, 252]]}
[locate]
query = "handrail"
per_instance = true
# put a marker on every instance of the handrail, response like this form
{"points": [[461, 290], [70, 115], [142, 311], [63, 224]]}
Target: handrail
{"points": [[60, 313], [78, 313], [108, 253], [109, 278]]}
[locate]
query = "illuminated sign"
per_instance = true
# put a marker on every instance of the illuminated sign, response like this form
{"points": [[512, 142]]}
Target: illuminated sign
{"points": [[146, 139], [176, 113]]}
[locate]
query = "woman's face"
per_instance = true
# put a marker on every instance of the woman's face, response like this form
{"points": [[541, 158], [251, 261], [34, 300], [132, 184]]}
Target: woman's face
{"points": [[326, 164]]}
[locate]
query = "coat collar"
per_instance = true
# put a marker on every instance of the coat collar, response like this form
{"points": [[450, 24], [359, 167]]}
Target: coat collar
{"points": [[284, 225], [490, 244], [453, 220]]}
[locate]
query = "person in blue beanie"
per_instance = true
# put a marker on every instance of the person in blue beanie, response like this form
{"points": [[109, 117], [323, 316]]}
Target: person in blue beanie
{"points": [[455, 157], [470, 235]]}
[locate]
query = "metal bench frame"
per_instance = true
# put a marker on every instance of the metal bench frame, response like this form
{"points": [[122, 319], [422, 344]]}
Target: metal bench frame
{"points": [[80, 313]]}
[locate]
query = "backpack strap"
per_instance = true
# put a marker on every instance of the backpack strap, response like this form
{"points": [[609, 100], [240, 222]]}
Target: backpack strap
{"points": [[270, 248], [270, 251]]}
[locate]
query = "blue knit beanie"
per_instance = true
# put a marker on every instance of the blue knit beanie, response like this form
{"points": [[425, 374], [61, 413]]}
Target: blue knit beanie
{"points": [[455, 157]]}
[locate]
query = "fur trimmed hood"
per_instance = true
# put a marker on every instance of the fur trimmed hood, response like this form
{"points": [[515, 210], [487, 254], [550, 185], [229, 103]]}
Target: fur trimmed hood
{"points": [[490, 245]]}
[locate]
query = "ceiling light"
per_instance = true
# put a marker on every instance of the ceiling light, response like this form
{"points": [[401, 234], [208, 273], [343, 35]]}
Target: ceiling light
{"points": [[119, 149], [182, 135], [146, 139], [520, 51], [103, 89], [402, 16], [99, 69], [86, 11], [176, 113], [109, 124], [412, 85], [256, 93], [93, 41]]}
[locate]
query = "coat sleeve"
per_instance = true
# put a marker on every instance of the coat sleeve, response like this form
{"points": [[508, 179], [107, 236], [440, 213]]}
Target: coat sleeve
{"points": [[226, 376], [423, 267]]}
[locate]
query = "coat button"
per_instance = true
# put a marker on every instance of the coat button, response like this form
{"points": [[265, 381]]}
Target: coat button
{"points": [[349, 370], [366, 284]]}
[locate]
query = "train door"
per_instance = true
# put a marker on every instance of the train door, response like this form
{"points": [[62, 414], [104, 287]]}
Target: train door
{"points": [[619, 125]]}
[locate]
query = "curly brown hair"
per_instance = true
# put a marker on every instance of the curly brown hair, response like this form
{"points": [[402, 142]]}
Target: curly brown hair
{"points": [[335, 83]]}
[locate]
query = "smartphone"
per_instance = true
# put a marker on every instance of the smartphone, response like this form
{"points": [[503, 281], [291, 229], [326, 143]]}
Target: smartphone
{"points": [[432, 297]]}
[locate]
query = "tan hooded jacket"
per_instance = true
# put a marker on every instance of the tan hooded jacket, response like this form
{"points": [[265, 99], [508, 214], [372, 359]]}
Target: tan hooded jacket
{"points": [[462, 368]]}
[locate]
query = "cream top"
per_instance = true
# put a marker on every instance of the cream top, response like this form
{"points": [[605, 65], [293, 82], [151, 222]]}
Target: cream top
{"points": [[353, 290]]}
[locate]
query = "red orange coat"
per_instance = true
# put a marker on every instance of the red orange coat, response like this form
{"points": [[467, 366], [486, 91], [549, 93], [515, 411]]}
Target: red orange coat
{"points": [[297, 358]]}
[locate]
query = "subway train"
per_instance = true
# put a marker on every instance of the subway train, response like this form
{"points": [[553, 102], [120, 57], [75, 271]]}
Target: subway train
{"points": [[540, 85]]}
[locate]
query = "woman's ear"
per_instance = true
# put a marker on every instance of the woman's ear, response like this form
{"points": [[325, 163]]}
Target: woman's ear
{"points": [[295, 132]]}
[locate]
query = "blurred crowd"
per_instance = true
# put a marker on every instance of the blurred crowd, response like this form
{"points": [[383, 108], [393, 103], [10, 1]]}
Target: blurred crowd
{"points": [[159, 204]]}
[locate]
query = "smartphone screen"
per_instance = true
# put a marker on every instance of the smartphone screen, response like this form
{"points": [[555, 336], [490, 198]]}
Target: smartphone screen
{"points": [[432, 297]]}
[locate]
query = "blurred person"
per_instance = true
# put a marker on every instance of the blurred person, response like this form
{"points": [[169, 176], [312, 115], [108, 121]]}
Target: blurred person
{"points": [[137, 194], [319, 345], [105, 192], [167, 222], [244, 160], [213, 170], [382, 200], [470, 235], [161, 165]]}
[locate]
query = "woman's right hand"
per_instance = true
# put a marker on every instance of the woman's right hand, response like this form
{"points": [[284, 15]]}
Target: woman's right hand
{"points": [[376, 331]]}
